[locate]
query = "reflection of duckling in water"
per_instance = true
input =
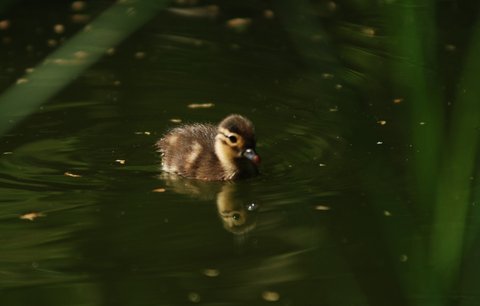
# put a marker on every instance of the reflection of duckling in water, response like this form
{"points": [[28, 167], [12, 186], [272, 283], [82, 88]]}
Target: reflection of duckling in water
{"points": [[207, 152], [237, 217]]}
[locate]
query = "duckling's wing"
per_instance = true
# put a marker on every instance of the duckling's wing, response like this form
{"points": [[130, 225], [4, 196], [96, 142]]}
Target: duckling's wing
{"points": [[190, 151]]}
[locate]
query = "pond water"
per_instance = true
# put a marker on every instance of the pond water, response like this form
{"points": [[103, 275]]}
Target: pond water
{"points": [[88, 219]]}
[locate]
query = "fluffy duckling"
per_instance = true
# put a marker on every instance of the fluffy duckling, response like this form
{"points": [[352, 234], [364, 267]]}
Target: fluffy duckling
{"points": [[208, 152]]}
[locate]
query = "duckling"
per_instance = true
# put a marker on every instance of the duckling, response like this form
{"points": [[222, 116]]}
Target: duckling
{"points": [[208, 152]]}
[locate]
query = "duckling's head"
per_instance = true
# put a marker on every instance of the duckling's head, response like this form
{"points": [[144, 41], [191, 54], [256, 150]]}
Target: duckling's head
{"points": [[236, 139]]}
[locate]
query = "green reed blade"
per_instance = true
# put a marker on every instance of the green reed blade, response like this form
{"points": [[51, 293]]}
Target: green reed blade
{"points": [[454, 194], [69, 61]]}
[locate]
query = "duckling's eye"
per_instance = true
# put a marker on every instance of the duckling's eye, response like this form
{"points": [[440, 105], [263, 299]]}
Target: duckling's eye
{"points": [[232, 139], [236, 217]]}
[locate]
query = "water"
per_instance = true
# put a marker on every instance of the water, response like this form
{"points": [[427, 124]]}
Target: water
{"points": [[107, 228]]}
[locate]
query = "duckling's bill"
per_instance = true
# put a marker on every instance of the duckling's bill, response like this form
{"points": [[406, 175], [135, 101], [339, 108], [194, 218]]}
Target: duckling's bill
{"points": [[252, 155]]}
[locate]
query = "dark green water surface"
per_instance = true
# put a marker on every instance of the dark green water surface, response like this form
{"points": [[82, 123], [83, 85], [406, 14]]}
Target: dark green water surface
{"points": [[330, 224]]}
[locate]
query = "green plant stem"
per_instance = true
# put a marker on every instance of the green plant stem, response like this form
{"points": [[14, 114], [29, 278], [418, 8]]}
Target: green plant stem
{"points": [[456, 176]]}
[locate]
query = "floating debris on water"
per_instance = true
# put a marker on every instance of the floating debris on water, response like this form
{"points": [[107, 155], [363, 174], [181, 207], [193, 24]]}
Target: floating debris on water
{"points": [[32, 216], [211, 272], [322, 207], [386, 213], [333, 109], [368, 31], [121, 161], [398, 100], [209, 11], [382, 122], [176, 120], [194, 297], [184, 40], [70, 174], [80, 18], [270, 296], [159, 190], [4, 24], [59, 28], [239, 24], [268, 14], [78, 6], [327, 76], [201, 105], [140, 55], [52, 43]]}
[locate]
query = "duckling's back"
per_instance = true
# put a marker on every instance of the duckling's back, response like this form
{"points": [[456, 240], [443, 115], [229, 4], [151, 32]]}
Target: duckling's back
{"points": [[190, 152]]}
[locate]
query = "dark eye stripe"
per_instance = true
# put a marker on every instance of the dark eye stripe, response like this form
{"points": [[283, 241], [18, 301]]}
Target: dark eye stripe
{"points": [[233, 139]]}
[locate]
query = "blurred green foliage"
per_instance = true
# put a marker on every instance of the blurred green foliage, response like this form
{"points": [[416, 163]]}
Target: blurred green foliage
{"points": [[395, 49]]}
